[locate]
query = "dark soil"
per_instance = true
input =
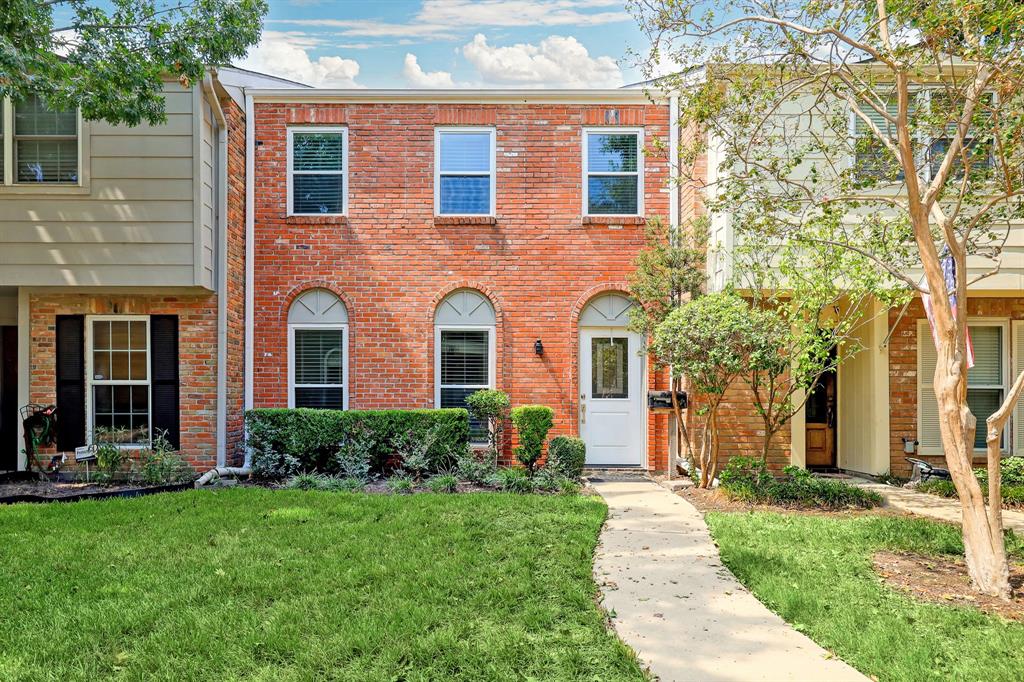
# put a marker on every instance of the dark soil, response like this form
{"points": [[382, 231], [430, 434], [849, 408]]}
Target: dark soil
{"points": [[943, 580], [716, 500], [44, 490]]}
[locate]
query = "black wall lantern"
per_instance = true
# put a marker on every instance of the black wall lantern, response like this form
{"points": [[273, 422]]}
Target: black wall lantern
{"points": [[538, 347]]}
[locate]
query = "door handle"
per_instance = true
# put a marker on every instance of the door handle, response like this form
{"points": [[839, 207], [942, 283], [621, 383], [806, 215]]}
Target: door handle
{"points": [[583, 410]]}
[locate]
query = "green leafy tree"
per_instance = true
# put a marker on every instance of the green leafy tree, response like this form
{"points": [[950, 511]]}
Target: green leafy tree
{"points": [[708, 341], [885, 127], [668, 272], [491, 407], [810, 304], [110, 58]]}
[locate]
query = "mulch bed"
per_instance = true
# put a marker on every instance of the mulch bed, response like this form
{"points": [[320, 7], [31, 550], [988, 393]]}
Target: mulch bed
{"points": [[943, 580], [716, 500], [67, 491]]}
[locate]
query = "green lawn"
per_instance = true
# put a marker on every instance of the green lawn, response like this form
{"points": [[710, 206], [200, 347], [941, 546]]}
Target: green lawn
{"points": [[815, 571], [290, 585]]}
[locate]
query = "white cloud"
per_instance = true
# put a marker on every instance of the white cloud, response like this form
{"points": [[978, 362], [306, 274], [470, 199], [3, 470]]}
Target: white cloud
{"points": [[520, 12], [416, 77], [284, 54], [557, 61]]}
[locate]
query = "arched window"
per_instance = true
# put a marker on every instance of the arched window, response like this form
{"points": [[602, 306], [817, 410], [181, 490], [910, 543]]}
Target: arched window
{"points": [[464, 325], [606, 310], [318, 351]]}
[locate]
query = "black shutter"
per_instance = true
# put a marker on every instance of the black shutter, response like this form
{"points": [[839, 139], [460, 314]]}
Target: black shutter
{"points": [[163, 348], [70, 382]]}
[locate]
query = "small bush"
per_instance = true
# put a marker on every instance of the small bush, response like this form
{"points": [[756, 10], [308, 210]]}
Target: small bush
{"points": [[343, 485], [413, 451], [491, 408], [162, 465], [567, 455], [747, 480], [400, 484], [1013, 495], [444, 483], [353, 459], [112, 460], [307, 481], [471, 467], [1012, 469], [938, 486], [515, 480], [286, 441], [567, 486], [532, 423], [548, 480]]}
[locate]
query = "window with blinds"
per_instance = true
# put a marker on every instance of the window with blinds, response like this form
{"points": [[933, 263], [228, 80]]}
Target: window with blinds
{"points": [[119, 379], [45, 143], [612, 162], [318, 377], [986, 382], [871, 158], [317, 174], [464, 182], [464, 368]]}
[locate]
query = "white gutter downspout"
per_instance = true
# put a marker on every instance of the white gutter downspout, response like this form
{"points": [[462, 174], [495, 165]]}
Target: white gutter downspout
{"points": [[250, 252], [673, 221], [222, 270]]}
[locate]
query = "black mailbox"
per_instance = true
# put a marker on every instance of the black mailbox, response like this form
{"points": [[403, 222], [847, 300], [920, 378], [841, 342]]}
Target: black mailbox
{"points": [[662, 400]]}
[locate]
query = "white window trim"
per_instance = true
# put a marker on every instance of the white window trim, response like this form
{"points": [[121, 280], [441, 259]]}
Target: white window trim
{"points": [[491, 333], [291, 130], [492, 173], [639, 173], [90, 381], [291, 361], [7, 141], [1002, 322]]}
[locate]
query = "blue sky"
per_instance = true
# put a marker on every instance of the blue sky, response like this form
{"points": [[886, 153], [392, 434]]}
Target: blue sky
{"points": [[449, 43]]}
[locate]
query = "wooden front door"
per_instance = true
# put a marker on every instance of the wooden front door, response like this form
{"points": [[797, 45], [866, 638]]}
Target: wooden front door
{"points": [[820, 418]]}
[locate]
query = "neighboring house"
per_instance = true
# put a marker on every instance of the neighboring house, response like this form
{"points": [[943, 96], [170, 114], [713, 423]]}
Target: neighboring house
{"points": [[122, 272], [883, 396], [412, 247]]}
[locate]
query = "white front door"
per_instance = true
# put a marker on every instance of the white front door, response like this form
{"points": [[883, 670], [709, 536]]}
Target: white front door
{"points": [[611, 397]]}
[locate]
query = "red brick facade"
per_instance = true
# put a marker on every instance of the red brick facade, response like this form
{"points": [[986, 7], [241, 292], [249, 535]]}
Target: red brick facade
{"points": [[391, 261]]}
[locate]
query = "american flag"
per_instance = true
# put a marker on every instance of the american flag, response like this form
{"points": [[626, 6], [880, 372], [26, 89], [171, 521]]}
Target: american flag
{"points": [[949, 277]]}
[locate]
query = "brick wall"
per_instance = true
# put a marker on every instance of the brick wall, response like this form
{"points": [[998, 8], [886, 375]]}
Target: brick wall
{"points": [[197, 354], [235, 263], [903, 371], [539, 262]]}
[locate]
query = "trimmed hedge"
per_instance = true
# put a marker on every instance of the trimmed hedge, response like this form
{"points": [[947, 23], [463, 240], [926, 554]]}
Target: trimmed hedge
{"points": [[567, 455], [308, 439], [532, 423]]}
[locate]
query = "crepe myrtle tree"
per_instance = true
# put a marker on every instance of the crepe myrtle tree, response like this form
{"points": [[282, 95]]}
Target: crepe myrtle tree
{"points": [[707, 340], [901, 116], [109, 57], [668, 272], [810, 303]]}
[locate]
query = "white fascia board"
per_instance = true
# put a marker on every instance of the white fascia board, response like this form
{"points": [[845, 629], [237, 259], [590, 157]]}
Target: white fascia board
{"points": [[459, 96]]}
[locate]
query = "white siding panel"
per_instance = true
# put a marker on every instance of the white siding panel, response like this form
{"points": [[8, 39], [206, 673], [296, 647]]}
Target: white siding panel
{"points": [[148, 189], [130, 146], [52, 209]]}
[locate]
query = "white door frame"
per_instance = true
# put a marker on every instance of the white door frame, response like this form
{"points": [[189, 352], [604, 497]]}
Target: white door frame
{"points": [[641, 416]]}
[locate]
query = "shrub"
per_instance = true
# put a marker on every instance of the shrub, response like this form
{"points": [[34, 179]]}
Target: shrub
{"points": [[1012, 472], [748, 480], [307, 481], [400, 484], [938, 486], [532, 423], [111, 458], [567, 455], [475, 469], [286, 441], [548, 480], [444, 483], [354, 454], [567, 486], [414, 452], [1013, 495], [491, 407], [514, 480], [162, 465]]}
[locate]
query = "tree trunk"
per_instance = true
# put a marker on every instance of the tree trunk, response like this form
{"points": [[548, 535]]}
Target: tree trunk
{"points": [[767, 444], [983, 540], [682, 435], [706, 445]]}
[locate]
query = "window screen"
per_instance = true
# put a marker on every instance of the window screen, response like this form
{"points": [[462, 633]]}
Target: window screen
{"points": [[465, 173], [45, 143], [613, 178], [318, 172]]}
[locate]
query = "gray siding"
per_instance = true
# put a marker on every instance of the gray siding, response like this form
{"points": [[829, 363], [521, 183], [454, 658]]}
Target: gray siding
{"points": [[135, 220]]}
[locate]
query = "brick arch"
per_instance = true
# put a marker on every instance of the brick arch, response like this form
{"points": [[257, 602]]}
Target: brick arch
{"points": [[303, 287], [476, 286]]}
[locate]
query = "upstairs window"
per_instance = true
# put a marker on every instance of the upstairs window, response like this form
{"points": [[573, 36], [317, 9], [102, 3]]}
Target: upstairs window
{"points": [[317, 171], [613, 172], [41, 145], [464, 171], [872, 160]]}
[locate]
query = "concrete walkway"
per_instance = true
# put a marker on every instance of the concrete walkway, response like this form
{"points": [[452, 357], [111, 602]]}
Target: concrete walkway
{"points": [[680, 609], [942, 508]]}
